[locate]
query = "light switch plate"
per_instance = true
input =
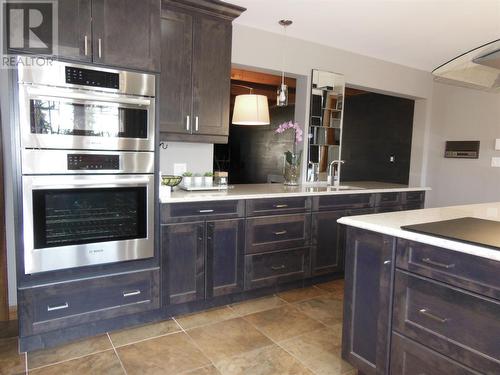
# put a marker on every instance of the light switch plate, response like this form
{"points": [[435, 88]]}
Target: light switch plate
{"points": [[179, 168], [497, 145], [495, 162]]}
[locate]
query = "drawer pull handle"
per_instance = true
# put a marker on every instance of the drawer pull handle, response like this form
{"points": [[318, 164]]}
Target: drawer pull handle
{"points": [[280, 205], [280, 232], [205, 211], [132, 293], [387, 262], [428, 314], [277, 268], [438, 264], [63, 306]]}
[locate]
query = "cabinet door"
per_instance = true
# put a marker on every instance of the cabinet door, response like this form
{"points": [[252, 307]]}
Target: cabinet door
{"points": [[211, 75], [225, 245], [176, 92], [184, 262], [369, 278], [327, 256], [74, 30], [126, 33]]}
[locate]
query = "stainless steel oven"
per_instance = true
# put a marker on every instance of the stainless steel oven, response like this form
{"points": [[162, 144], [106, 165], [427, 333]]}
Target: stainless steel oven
{"points": [[69, 106], [87, 161]]}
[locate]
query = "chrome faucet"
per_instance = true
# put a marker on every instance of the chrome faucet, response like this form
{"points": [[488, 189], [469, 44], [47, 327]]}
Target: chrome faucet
{"points": [[334, 173]]}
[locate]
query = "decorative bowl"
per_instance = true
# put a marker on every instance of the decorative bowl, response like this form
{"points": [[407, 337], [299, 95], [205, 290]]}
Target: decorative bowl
{"points": [[171, 180]]}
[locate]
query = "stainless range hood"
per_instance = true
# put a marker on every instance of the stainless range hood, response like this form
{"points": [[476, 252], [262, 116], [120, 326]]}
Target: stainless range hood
{"points": [[478, 68]]}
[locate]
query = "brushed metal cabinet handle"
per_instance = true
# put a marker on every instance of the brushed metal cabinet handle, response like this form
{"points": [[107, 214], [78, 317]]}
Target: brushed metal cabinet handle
{"points": [[131, 293], [63, 306], [196, 123], [280, 232], [205, 211], [277, 268], [99, 44], [435, 317], [187, 123], [280, 205], [86, 47], [438, 264]]}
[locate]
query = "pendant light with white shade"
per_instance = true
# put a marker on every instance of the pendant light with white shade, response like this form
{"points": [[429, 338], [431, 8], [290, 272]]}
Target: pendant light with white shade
{"points": [[282, 93], [250, 109]]}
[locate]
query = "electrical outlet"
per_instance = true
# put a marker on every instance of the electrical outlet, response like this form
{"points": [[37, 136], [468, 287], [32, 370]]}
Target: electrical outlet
{"points": [[497, 144], [495, 162], [179, 168]]}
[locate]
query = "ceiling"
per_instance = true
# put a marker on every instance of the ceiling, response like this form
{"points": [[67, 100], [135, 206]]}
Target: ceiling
{"points": [[422, 34]]}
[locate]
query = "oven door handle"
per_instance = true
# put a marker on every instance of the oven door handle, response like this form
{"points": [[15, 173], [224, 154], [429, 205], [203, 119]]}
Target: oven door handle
{"points": [[94, 97], [95, 182]]}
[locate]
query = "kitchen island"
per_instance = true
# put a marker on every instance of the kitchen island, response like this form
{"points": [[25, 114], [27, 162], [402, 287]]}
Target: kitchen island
{"points": [[416, 303]]}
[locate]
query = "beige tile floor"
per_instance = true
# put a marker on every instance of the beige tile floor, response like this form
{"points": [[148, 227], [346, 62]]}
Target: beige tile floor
{"points": [[294, 332]]}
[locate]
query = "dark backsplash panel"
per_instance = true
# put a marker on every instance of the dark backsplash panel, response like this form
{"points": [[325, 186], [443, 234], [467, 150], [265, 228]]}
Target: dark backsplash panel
{"points": [[255, 152], [375, 127]]}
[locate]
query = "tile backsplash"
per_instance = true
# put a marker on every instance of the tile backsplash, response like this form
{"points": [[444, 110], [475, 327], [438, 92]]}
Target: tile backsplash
{"points": [[197, 157]]}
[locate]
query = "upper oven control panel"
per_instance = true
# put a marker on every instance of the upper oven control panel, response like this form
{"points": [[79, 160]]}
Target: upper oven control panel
{"points": [[78, 162], [95, 78]]}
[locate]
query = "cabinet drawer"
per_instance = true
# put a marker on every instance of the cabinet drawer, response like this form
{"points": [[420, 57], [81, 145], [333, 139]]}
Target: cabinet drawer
{"points": [[382, 209], [277, 233], [458, 324], [411, 358], [414, 197], [68, 304], [176, 212], [387, 199], [275, 206], [342, 201], [263, 270], [466, 271]]}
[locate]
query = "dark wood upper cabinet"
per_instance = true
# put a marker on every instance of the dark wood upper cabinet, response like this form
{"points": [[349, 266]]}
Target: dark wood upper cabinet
{"points": [[184, 262], [369, 275], [211, 75], [195, 75], [225, 258], [121, 33], [75, 30], [176, 89], [126, 33]]}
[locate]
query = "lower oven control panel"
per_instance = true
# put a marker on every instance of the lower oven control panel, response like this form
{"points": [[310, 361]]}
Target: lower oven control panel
{"points": [[90, 162]]}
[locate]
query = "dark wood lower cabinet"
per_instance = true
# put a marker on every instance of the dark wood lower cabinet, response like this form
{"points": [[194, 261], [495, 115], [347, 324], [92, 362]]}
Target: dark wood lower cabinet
{"points": [[367, 301], [183, 248], [225, 257]]}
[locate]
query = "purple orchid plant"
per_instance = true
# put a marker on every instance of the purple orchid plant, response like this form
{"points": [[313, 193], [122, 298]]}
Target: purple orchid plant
{"points": [[291, 156]]}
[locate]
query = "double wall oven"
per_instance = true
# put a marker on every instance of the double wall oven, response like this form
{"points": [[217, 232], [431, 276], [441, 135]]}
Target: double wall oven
{"points": [[87, 159]]}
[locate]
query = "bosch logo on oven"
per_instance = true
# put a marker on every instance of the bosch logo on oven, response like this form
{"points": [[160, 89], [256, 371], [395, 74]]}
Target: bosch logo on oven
{"points": [[96, 251]]}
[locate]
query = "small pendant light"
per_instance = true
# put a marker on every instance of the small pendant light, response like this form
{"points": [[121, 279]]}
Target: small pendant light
{"points": [[282, 93]]}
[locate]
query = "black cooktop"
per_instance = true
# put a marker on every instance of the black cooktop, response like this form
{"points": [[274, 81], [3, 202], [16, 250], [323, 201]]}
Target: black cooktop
{"points": [[467, 229]]}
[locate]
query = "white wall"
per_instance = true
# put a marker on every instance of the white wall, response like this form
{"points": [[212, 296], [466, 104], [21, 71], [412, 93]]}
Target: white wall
{"points": [[198, 157], [463, 114], [262, 50]]}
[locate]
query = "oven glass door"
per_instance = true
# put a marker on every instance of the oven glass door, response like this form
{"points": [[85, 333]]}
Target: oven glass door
{"points": [[81, 220], [79, 216], [56, 118]]}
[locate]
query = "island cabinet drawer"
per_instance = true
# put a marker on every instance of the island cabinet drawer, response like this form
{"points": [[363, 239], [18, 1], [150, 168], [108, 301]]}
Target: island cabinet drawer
{"points": [[69, 304], [264, 270], [388, 199], [411, 358], [414, 197], [466, 271], [455, 323], [277, 206], [178, 212], [271, 233], [342, 201]]}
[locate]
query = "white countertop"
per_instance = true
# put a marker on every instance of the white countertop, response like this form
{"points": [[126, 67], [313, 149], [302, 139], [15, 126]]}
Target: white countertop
{"points": [[252, 191], [390, 224]]}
